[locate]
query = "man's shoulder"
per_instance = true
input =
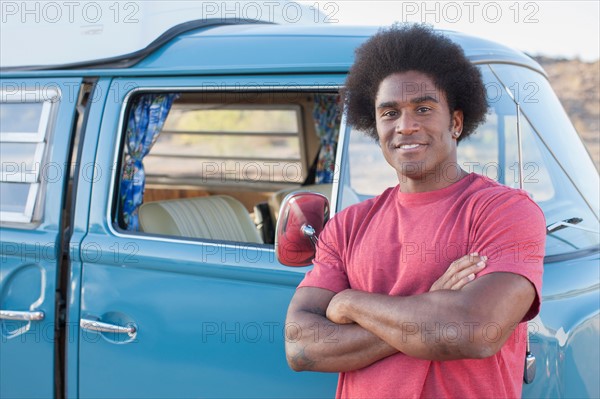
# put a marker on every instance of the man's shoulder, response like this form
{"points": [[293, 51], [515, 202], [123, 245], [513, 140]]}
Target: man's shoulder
{"points": [[353, 218], [363, 207], [352, 221], [487, 194], [486, 188]]}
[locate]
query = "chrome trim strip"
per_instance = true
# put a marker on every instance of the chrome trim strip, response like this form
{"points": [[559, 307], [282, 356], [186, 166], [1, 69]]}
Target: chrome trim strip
{"points": [[577, 254], [21, 315], [337, 171], [479, 60], [553, 226], [520, 149]]}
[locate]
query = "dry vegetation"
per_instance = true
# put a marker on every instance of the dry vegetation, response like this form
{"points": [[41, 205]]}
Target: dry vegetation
{"points": [[577, 85]]}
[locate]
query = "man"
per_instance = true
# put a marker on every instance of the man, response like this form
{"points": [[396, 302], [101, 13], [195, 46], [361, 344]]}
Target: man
{"points": [[394, 315]]}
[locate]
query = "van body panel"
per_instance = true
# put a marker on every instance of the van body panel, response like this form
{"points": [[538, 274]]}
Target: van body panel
{"points": [[207, 312], [85, 176], [32, 253], [259, 46], [563, 337], [220, 281]]}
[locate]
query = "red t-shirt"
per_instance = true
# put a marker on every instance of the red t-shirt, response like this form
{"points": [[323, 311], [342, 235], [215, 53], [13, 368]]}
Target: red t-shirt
{"points": [[401, 243]]}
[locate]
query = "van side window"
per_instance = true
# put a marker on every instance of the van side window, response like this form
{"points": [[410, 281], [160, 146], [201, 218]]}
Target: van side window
{"points": [[24, 125], [221, 163]]}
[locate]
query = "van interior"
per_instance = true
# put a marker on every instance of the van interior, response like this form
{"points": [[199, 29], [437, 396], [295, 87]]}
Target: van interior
{"points": [[221, 164]]}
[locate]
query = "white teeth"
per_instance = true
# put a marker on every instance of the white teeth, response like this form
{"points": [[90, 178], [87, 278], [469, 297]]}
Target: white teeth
{"points": [[409, 146]]}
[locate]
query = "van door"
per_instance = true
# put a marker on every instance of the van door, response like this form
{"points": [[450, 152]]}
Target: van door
{"points": [[169, 316], [36, 129]]}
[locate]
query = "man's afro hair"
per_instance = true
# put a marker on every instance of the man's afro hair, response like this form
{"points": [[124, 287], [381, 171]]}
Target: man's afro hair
{"points": [[406, 47]]}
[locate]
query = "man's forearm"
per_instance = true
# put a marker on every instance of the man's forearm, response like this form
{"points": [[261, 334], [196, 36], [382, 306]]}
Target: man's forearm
{"points": [[314, 343], [441, 325], [416, 325]]}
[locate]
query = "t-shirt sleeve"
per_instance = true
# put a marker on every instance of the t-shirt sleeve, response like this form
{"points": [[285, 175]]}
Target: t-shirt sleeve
{"points": [[329, 271], [511, 231]]}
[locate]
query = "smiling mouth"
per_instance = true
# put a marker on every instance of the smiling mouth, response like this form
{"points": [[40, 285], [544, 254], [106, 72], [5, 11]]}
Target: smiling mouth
{"points": [[409, 146]]}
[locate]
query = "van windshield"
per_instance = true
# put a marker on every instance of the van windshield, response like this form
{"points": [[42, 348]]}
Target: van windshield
{"points": [[557, 172]]}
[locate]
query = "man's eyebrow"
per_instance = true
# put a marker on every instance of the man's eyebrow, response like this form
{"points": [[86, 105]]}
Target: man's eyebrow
{"points": [[416, 100], [387, 104], [424, 99]]}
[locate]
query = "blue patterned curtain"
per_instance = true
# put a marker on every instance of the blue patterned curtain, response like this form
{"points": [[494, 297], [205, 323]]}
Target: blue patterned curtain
{"points": [[326, 114], [145, 121]]}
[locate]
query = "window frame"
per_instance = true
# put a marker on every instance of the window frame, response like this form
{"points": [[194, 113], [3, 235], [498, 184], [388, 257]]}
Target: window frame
{"points": [[119, 148], [24, 176], [49, 99]]}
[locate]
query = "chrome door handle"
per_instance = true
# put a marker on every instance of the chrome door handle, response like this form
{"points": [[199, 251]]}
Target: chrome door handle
{"points": [[95, 325], [21, 316]]}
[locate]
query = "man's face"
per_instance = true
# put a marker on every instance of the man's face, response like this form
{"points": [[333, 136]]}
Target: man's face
{"points": [[416, 128]]}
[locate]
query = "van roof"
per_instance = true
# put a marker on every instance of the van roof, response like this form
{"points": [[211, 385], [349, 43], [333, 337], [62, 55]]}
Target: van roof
{"points": [[209, 47]]}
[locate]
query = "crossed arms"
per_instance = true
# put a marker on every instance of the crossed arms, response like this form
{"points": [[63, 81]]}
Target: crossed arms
{"points": [[353, 329]]}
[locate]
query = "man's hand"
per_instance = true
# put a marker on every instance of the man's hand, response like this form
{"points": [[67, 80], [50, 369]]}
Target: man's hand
{"points": [[460, 273], [335, 310]]}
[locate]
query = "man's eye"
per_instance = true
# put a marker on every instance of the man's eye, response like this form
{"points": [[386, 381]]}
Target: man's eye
{"points": [[390, 113], [422, 110]]}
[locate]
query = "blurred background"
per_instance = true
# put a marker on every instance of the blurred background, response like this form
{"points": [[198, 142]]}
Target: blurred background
{"points": [[563, 36]]}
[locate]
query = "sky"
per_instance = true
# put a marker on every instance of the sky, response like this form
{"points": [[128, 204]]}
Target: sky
{"points": [[556, 28], [55, 32]]}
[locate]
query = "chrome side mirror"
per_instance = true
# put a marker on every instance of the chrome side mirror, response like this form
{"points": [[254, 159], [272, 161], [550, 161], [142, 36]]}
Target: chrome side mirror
{"points": [[301, 219]]}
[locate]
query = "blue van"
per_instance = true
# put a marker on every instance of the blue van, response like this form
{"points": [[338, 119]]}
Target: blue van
{"points": [[139, 199]]}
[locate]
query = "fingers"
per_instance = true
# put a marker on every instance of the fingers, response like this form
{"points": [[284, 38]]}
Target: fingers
{"points": [[465, 262], [460, 272], [467, 274]]}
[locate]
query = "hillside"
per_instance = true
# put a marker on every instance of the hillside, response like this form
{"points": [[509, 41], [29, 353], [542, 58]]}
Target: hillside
{"points": [[577, 85]]}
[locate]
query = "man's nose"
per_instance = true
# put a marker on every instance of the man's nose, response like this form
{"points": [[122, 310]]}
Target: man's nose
{"points": [[406, 124]]}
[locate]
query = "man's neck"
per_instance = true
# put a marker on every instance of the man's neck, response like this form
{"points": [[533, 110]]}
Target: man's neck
{"points": [[429, 182]]}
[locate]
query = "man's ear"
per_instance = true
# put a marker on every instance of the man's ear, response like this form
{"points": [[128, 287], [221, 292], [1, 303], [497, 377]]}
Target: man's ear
{"points": [[457, 120]]}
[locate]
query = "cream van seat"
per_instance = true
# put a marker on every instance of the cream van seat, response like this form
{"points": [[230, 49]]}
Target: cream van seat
{"points": [[277, 198], [217, 217]]}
